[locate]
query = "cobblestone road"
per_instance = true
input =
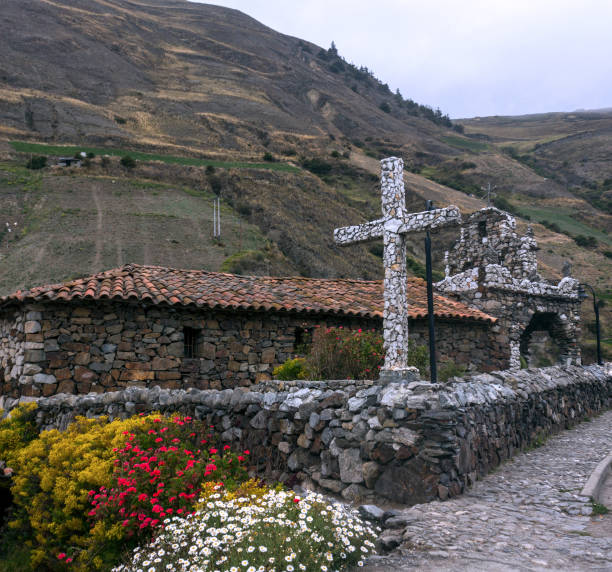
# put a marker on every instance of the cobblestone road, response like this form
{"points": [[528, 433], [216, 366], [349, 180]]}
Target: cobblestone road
{"points": [[528, 515]]}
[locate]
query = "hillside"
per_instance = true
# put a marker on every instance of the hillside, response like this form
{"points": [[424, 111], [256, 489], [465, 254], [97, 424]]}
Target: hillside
{"points": [[211, 102]]}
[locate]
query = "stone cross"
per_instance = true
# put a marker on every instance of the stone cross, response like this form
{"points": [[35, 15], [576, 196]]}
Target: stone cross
{"points": [[393, 227]]}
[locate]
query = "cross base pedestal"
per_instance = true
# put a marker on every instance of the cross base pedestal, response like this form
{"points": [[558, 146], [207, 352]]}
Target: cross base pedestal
{"points": [[404, 375]]}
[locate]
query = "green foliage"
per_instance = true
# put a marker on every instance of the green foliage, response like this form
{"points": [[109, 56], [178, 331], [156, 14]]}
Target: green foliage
{"points": [[524, 364], [339, 353], [551, 226], [128, 162], [37, 162], [451, 369], [245, 262], [384, 106], [317, 166], [419, 270], [27, 147], [585, 241], [292, 369], [267, 156], [599, 509]]}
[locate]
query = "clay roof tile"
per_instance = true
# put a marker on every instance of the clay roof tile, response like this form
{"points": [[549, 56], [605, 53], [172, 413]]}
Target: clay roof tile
{"points": [[160, 285]]}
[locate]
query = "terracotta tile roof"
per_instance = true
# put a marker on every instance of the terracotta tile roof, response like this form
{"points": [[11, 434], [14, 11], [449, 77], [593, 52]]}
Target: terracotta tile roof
{"points": [[160, 285]]}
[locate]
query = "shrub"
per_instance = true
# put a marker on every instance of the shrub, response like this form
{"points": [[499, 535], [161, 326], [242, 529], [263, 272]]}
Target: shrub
{"points": [[128, 162], [317, 166], [451, 369], [267, 156], [292, 369], [339, 353], [300, 534], [17, 430], [38, 162], [384, 106], [53, 475], [88, 492], [159, 474], [585, 241]]}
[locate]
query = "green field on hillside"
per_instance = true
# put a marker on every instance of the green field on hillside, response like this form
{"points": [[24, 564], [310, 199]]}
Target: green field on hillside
{"points": [[69, 150], [565, 220]]}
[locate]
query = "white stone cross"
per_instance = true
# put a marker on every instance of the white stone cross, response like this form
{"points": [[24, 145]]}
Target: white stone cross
{"points": [[393, 227]]}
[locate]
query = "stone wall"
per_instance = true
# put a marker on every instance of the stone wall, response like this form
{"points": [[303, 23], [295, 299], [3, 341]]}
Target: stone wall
{"points": [[405, 443], [12, 344], [494, 269], [78, 348]]}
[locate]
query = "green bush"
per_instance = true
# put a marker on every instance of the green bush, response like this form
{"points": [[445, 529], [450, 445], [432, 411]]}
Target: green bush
{"points": [[292, 369], [317, 166], [128, 162], [384, 106], [585, 241], [38, 162], [451, 369]]}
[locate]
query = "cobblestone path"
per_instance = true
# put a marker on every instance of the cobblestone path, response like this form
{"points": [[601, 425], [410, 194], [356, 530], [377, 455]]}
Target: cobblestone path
{"points": [[527, 515]]}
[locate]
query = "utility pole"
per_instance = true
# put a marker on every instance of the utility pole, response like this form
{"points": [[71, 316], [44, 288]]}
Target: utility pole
{"points": [[217, 218], [433, 367], [488, 192]]}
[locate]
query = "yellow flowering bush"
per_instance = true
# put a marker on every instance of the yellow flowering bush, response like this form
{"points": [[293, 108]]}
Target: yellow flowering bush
{"points": [[17, 430], [53, 475]]}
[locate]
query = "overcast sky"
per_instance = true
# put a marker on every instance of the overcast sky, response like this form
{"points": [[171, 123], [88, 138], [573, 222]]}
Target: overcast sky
{"points": [[468, 57]]}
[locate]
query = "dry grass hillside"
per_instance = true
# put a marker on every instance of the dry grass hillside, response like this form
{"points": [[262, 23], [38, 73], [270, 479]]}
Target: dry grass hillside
{"points": [[211, 102]]}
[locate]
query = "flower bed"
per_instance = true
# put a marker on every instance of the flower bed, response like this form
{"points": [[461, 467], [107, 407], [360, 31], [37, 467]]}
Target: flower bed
{"points": [[269, 532]]}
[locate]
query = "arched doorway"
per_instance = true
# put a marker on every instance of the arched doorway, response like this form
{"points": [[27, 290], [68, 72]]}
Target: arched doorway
{"points": [[546, 340]]}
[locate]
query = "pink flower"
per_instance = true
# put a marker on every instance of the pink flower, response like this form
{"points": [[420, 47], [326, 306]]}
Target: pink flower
{"points": [[226, 447], [61, 555]]}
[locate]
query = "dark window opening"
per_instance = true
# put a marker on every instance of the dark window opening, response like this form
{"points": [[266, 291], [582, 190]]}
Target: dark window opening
{"points": [[482, 228], [190, 341]]}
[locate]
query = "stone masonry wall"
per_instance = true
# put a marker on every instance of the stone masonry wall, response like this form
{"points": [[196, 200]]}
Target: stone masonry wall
{"points": [[406, 443], [12, 344], [75, 349]]}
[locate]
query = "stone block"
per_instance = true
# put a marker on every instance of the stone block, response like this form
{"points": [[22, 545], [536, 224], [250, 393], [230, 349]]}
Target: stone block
{"points": [[44, 378], [31, 369], [66, 386], [267, 355], [34, 316], [208, 350], [82, 358], [350, 466], [49, 389], [167, 375], [34, 338], [62, 374], [34, 356], [176, 349], [137, 375], [82, 374], [138, 365], [32, 327], [163, 364], [81, 312]]}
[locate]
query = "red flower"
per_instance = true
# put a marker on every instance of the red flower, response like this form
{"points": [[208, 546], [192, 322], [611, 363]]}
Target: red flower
{"points": [[61, 555], [247, 452], [226, 447], [296, 500]]}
